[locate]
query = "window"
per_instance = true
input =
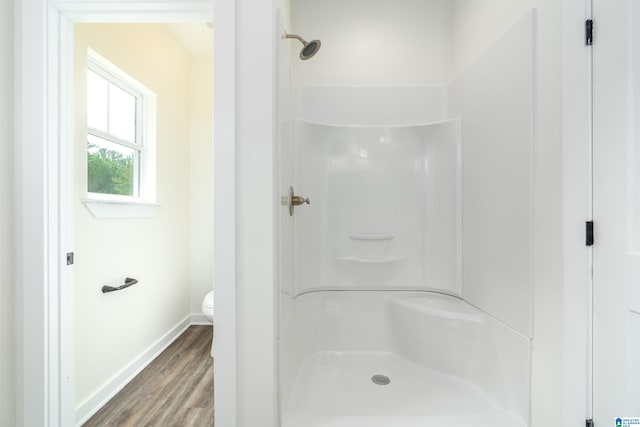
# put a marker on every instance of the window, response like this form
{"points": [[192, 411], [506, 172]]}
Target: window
{"points": [[120, 136]]}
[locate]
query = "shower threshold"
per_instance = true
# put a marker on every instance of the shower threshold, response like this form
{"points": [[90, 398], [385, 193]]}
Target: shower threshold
{"points": [[339, 389]]}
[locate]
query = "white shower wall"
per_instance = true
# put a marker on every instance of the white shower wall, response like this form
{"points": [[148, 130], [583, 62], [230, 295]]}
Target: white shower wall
{"points": [[373, 106], [385, 207], [497, 158], [416, 188], [494, 100]]}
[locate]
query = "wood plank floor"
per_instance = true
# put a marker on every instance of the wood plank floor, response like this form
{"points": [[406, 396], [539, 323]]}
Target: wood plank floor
{"points": [[176, 389]]}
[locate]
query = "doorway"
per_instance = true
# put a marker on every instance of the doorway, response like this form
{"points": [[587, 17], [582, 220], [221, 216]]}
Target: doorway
{"points": [[142, 197], [45, 299]]}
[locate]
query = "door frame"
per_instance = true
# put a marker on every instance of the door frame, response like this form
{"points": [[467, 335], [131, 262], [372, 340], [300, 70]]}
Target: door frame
{"points": [[45, 320], [615, 267], [577, 195]]}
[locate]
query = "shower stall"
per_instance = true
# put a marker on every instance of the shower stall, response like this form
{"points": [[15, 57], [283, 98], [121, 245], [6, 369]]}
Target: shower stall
{"points": [[406, 279]]}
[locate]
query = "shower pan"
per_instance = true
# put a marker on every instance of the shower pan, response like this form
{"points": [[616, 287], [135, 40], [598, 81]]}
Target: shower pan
{"points": [[406, 282]]}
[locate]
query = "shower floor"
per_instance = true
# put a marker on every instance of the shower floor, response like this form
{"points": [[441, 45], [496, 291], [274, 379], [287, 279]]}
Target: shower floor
{"points": [[335, 389]]}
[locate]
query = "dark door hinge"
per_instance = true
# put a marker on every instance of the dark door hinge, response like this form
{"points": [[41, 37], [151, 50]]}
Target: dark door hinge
{"points": [[70, 257], [589, 233], [588, 32], [589, 423]]}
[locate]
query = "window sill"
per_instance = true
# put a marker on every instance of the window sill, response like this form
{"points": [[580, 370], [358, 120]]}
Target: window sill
{"points": [[105, 209]]}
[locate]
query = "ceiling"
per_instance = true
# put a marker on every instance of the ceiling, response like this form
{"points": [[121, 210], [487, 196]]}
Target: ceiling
{"points": [[196, 38]]}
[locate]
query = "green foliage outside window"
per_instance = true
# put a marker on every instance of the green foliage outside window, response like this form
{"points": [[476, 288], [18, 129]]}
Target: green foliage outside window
{"points": [[110, 172]]}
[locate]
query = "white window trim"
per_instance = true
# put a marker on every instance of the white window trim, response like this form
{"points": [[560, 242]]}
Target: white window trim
{"points": [[145, 204], [105, 209]]}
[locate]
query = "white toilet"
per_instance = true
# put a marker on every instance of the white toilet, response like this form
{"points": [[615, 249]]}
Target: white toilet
{"points": [[207, 310]]}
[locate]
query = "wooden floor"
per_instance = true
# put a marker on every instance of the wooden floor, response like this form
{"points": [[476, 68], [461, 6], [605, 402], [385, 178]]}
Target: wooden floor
{"points": [[176, 389]]}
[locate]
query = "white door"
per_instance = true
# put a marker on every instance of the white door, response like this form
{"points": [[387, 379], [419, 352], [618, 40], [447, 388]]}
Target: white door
{"points": [[616, 211]]}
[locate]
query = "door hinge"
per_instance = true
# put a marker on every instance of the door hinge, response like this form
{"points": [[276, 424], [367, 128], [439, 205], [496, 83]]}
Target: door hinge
{"points": [[589, 233], [589, 423], [588, 32], [70, 257]]}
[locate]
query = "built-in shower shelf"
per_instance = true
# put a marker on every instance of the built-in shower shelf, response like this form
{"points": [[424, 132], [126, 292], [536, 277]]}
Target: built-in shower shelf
{"points": [[371, 259], [372, 236]]}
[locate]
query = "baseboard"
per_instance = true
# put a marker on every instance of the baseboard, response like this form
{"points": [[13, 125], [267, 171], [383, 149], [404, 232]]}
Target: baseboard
{"points": [[117, 383], [199, 319]]}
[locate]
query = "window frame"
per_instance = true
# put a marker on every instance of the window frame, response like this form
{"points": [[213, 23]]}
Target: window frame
{"points": [[143, 202]]}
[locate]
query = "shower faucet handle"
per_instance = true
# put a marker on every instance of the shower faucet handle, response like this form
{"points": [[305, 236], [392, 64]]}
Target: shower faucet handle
{"points": [[292, 200], [297, 201]]}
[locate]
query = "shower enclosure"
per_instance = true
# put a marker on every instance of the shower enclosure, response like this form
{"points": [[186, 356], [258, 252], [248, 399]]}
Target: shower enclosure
{"points": [[406, 283]]}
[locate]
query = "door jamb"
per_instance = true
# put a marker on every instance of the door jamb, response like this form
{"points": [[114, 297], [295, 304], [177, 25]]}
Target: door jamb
{"points": [[577, 208]]}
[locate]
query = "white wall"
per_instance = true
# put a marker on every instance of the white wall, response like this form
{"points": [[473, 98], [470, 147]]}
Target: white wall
{"points": [[201, 178], [402, 43], [113, 329], [225, 273], [255, 285], [547, 382], [7, 344], [476, 24], [373, 43], [31, 215]]}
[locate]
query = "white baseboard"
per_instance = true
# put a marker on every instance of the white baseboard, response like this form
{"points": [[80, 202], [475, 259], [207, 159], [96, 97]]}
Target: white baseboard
{"points": [[87, 409], [199, 319]]}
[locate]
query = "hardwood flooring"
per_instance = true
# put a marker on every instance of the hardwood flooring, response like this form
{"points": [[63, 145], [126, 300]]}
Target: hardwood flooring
{"points": [[175, 390]]}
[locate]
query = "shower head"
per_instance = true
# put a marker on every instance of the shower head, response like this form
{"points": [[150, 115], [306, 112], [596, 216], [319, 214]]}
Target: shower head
{"points": [[309, 49]]}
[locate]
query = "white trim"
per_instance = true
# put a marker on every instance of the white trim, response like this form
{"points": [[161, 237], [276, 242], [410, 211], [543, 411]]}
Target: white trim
{"points": [[90, 406], [199, 319], [106, 69], [55, 83], [66, 351], [129, 11], [104, 209], [45, 374]]}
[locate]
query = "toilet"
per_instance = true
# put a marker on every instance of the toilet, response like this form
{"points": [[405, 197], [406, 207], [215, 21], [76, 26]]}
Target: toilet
{"points": [[207, 310]]}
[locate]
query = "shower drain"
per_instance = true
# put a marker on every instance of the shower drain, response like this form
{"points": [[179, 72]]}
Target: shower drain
{"points": [[380, 379]]}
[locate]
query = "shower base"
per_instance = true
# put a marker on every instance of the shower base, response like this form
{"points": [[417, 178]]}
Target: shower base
{"points": [[335, 389]]}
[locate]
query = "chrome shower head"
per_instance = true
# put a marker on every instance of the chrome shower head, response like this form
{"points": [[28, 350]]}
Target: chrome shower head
{"points": [[309, 49]]}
